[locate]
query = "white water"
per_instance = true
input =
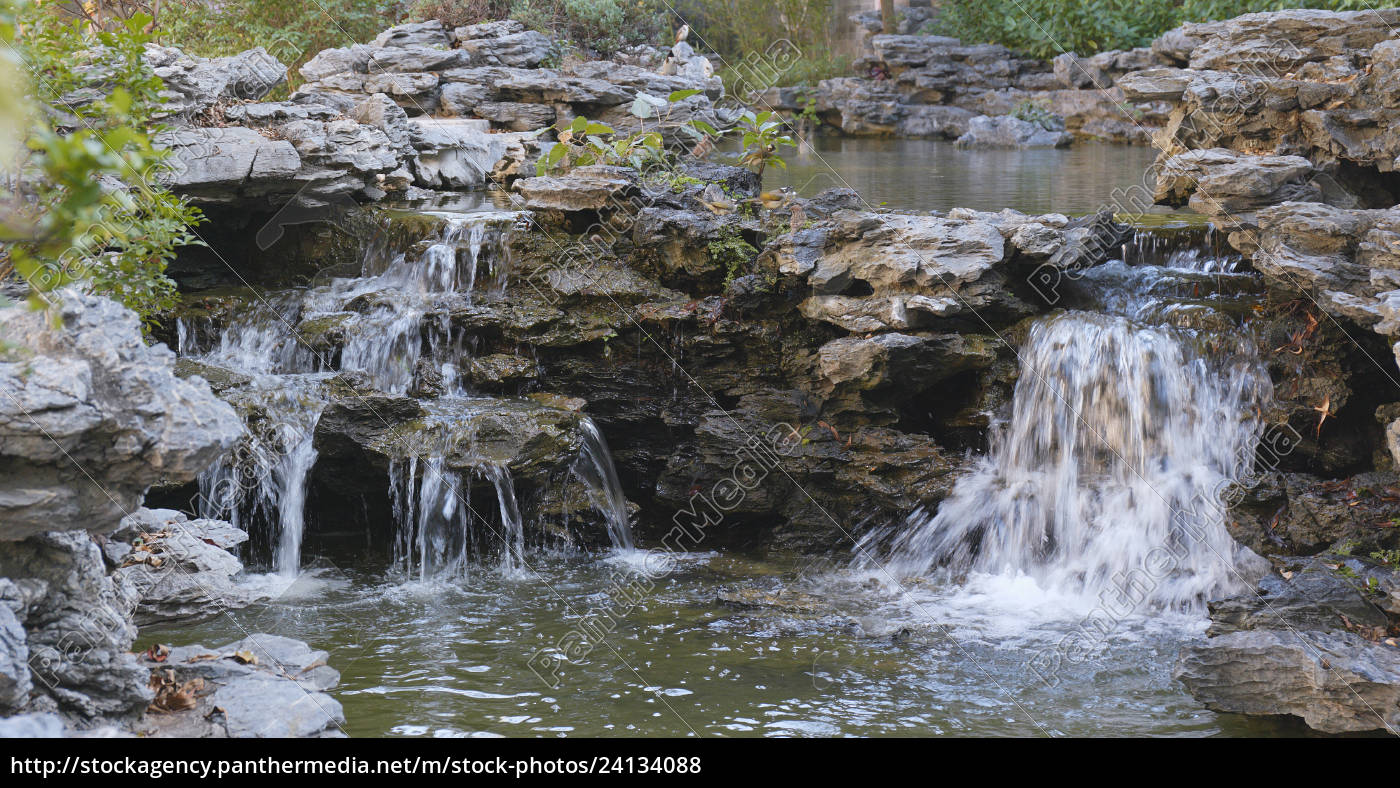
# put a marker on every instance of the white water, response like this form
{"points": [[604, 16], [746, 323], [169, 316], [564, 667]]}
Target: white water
{"points": [[1123, 438], [438, 528], [397, 314], [595, 467]]}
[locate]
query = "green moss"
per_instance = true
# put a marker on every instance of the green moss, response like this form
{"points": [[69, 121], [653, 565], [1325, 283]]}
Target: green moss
{"points": [[733, 253]]}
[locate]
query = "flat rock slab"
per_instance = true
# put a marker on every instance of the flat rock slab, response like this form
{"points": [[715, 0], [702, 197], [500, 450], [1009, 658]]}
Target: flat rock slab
{"points": [[264, 686]]}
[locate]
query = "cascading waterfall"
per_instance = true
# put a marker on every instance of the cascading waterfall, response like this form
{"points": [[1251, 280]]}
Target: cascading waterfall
{"points": [[267, 476], [595, 467], [438, 529], [1122, 440], [397, 313]]}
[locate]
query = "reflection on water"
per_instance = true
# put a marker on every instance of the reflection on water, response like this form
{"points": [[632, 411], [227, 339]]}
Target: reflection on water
{"points": [[838, 657], [932, 175]]}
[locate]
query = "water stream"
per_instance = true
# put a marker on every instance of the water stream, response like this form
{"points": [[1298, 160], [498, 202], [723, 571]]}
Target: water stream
{"points": [[1134, 404], [395, 317], [1128, 426]]}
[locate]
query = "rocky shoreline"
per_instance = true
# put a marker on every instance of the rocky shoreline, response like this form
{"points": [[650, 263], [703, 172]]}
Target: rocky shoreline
{"points": [[682, 315]]}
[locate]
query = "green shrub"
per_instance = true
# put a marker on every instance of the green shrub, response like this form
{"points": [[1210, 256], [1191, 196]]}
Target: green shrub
{"points": [[85, 204], [603, 26], [1045, 28]]}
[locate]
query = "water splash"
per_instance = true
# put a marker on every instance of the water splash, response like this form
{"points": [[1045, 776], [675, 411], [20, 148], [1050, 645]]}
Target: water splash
{"points": [[1126, 432]]}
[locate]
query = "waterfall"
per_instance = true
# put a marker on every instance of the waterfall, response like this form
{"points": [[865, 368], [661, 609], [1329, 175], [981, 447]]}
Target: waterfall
{"points": [[1124, 436], [437, 526], [395, 321], [267, 474], [290, 477], [595, 467], [512, 527]]}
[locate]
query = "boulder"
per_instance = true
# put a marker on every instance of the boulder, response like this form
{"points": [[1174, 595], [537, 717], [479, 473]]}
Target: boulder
{"points": [[1334, 682], [515, 116], [92, 416], [414, 34], [525, 49], [1010, 132], [178, 569], [264, 686], [77, 628], [1309, 643], [1229, 186], [193, 84], [590, 188], [455, 153]]}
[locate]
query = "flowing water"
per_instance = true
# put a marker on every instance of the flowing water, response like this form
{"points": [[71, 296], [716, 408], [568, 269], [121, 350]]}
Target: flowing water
{"points": [[1133, 406], [398, 300], [1128, 427]]}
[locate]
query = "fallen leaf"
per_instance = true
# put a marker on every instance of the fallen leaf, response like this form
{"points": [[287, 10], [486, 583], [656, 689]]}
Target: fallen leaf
{"points": [[158, 653], [245, 657]]}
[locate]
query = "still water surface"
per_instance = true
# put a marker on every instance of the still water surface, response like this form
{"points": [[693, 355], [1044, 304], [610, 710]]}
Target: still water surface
{"points": [[932, 175]]}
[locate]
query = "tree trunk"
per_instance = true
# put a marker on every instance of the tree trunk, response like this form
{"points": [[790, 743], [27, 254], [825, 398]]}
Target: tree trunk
{"points": [[887, 16]]}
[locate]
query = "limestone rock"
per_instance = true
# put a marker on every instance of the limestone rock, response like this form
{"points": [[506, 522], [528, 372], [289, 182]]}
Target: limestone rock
{"points": [[264, 686], [525, 49], [1335, 682], [77, 625], [589, 188], [1010, 132], [93, 416], [181, 569], [1230, 186], [429, 34]]}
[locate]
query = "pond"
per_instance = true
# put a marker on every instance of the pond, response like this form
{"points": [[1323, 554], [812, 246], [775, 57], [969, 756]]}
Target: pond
{"points": [[933, 175], [832, 657]]}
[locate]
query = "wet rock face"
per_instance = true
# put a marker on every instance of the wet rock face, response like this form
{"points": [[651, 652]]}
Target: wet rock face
{"points": [[1280, 132], [1314, 643], [92, 416]]}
